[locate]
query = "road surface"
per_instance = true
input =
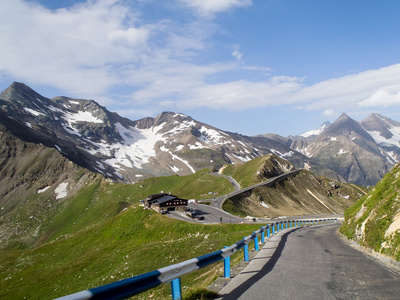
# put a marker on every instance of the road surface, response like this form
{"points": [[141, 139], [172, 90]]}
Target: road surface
{"points": [[237, 190], [313, 263]]}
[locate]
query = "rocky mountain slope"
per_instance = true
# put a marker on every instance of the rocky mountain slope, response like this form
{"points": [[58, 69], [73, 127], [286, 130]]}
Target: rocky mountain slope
{"points": [[299, 194], [351, 151], [374, 221], [121, 149], [34, 182], [100, 141]]}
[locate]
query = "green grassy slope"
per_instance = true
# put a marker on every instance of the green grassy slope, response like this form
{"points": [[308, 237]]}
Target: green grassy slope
{"points": [[373, 220], [101, 235], [42, 218], [256, 170], [133, 242]]}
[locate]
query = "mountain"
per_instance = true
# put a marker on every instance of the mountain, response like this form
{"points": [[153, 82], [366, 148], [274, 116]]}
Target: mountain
{"points": [[351, 151], [374, 220], [313, 133], [34, 182], [302, 193], [104, 142]]}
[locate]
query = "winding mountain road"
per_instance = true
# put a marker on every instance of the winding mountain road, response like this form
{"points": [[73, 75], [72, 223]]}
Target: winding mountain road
{"points": [[237, 190], [313, 263], [214, 213]]}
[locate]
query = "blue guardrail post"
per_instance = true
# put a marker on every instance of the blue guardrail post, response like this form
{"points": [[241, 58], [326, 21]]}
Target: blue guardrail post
{"points": [[176, 292], [263, 236], [256, 243], [246, 252], [268, 231], [227, 266]]}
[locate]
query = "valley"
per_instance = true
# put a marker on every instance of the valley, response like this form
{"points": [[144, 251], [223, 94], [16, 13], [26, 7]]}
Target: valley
{"points": [[72, 175]]}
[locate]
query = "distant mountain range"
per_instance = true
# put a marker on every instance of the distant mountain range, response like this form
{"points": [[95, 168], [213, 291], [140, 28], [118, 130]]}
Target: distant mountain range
{"points": [[96, 139]]}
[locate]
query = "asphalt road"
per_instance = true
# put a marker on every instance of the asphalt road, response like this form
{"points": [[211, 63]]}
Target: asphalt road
{"points": [[208, 215], [313, 263], [237, 190]]}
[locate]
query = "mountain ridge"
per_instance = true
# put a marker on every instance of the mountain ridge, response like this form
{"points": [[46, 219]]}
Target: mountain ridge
{"points": [[173, 143]]}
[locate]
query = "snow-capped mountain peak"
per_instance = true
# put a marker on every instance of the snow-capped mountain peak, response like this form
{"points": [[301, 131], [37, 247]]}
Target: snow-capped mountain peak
{"points": [[384, 130], [104, 142], [316, 132]]}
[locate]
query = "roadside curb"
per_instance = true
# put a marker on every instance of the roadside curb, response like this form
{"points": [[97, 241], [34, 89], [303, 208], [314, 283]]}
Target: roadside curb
{"points": [[381, 258]]}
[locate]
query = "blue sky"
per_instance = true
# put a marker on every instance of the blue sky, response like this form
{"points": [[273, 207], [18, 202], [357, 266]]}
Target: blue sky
{"points": [[246, 66]]}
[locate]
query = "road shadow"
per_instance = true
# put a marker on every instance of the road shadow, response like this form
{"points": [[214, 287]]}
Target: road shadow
{"points": [[269, 266]]}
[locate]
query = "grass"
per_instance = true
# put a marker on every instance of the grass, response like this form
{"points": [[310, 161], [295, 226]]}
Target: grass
{"points": [[379, 206], [102, 235], [246, 174], [133, 242]]}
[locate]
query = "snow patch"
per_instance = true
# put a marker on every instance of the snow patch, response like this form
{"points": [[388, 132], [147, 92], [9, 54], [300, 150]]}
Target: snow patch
{"points": [[135, 150], [280, 154], [176, 157], [198, 145], [43, 190], [208, 134], [61, 190], [81, 116], [33, 112], [380, 140], [392, 156], [314, 132]]}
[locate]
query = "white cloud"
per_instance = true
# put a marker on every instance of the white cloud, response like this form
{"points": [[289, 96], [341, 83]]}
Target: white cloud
{"points": [[210, 7], [328, 112], [382, 98], [238, 55], [73, 49], [96, 46]]}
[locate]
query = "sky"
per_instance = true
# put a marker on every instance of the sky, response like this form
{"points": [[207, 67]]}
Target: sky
{"points": [[245, 66]]}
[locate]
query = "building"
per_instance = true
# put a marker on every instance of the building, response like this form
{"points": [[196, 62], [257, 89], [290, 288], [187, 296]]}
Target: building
{"points": [[165, 202]]}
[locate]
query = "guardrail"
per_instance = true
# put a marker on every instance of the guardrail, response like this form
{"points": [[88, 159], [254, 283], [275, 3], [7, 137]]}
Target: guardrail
{"points": [[140, 283]]}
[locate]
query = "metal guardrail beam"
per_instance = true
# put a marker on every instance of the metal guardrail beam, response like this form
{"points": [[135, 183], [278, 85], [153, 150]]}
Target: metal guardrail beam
{"points": [[135, 285]]}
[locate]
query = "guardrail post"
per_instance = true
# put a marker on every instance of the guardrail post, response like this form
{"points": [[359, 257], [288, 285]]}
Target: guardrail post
{"points": [[262, 235], [227, 266], [273, 228], [176, 292], [277, 227], [268, 231], [256, 243], [246, 252], [282, 225]]}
